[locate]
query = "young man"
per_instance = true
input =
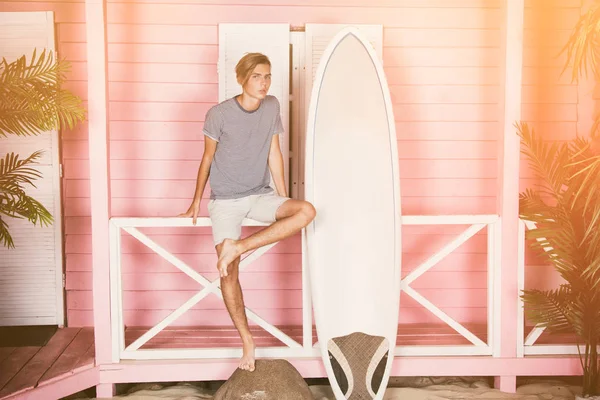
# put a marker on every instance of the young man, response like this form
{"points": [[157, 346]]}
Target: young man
{"points": [[241, 145]]}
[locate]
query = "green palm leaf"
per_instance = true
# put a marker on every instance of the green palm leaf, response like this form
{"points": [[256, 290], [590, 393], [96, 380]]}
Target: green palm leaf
{"points": [[566, 211], [546, 159], [582, 46], [31, 98], [570, 225], [15, 174], [551, 309], [5, 238], [31, 101], [15, 171]]}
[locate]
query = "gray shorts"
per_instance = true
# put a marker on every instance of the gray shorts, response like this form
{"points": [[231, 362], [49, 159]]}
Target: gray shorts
{"points": [[227, 215]]}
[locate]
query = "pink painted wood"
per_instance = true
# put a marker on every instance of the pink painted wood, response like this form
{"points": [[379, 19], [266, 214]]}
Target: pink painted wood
{"points": [[13, 363], [152, 371], [63, 386], [444, 63], [51, 371], [31, 373]]}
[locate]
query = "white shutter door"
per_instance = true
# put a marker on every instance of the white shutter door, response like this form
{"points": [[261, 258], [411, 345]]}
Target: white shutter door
{"points": [[317, 38], [273, 40], [31, 273]]}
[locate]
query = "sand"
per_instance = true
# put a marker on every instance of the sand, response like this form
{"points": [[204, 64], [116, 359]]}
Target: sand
{"points": [[477, 389]]}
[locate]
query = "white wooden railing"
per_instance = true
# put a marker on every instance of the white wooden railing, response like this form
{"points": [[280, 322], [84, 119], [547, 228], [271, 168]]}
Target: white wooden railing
{"points": [[305, 348], [476, 224], [527, 345]]}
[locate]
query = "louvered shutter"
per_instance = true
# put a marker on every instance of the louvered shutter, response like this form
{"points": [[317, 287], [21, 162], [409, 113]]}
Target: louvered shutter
{"points": [[273, 40], [31, 273]]}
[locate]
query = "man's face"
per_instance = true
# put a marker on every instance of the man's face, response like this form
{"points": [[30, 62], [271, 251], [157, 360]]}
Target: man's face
{"points": [[259, 82]]}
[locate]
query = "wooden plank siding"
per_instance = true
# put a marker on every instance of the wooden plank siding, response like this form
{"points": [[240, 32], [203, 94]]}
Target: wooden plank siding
{"points": [[162, 79], [444, 63], [553, 105]]}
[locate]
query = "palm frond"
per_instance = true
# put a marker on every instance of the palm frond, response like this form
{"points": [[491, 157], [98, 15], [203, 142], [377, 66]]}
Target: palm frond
{"points": [[590, 241], [14, 201], [582, 46], [68, 109], [585, 182], [546, 159], [24, 122], [33, 210], [14, 171], [5, 237], [20, 207], [532, 206], [31, 97], [42, 69], [595, 302], [550, 308]]}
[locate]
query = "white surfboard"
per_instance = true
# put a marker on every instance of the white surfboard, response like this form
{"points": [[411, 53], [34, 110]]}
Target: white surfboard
{"points": [[353, 244]]}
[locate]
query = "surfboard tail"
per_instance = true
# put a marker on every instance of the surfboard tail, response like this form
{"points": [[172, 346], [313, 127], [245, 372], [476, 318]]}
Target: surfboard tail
{"points": [[359, 364]]}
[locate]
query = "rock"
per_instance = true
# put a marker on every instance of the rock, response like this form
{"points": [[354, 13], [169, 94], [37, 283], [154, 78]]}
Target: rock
{"points": [[179, 391], [480, 385], [322, 392], [271, 380]]}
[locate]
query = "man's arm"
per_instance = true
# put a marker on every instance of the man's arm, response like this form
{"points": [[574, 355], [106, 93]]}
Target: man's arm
{"points": [[276, 166], [210, 146]]}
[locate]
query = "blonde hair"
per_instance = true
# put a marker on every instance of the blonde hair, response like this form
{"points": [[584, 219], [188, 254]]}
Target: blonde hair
{"points": [[246, 65]]}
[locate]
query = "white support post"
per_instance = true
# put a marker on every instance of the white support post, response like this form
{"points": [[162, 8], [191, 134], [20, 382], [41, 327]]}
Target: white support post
{"points": [[297, 122], [509, 176], [497, 301], [521, 286], [306, 297], [494, 296], [491, 293], [508, 195], [97, 113], [116, 308]]}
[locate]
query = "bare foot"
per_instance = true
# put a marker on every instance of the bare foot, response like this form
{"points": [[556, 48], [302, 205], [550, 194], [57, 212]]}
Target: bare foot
{"points": [[247, 360], [229, 252]]}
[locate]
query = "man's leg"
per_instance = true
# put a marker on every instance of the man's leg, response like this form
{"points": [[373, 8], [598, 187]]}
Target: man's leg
{"points": [[227, 217], [234, 301], [291, 217]]}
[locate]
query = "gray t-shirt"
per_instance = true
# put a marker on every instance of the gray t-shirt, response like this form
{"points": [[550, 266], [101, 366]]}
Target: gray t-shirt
{"points": [[239, 166]]}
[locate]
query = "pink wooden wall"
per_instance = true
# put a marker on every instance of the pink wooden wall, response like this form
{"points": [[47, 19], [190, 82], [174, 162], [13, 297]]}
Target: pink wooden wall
{"points": [[552, 104], [444, 62]]}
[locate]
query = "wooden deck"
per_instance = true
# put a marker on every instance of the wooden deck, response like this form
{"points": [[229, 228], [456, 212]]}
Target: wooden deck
{"points": [[22, 369]]}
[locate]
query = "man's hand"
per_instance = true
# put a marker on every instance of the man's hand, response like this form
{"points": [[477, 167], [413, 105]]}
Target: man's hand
{"points": [[192, 212]]}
